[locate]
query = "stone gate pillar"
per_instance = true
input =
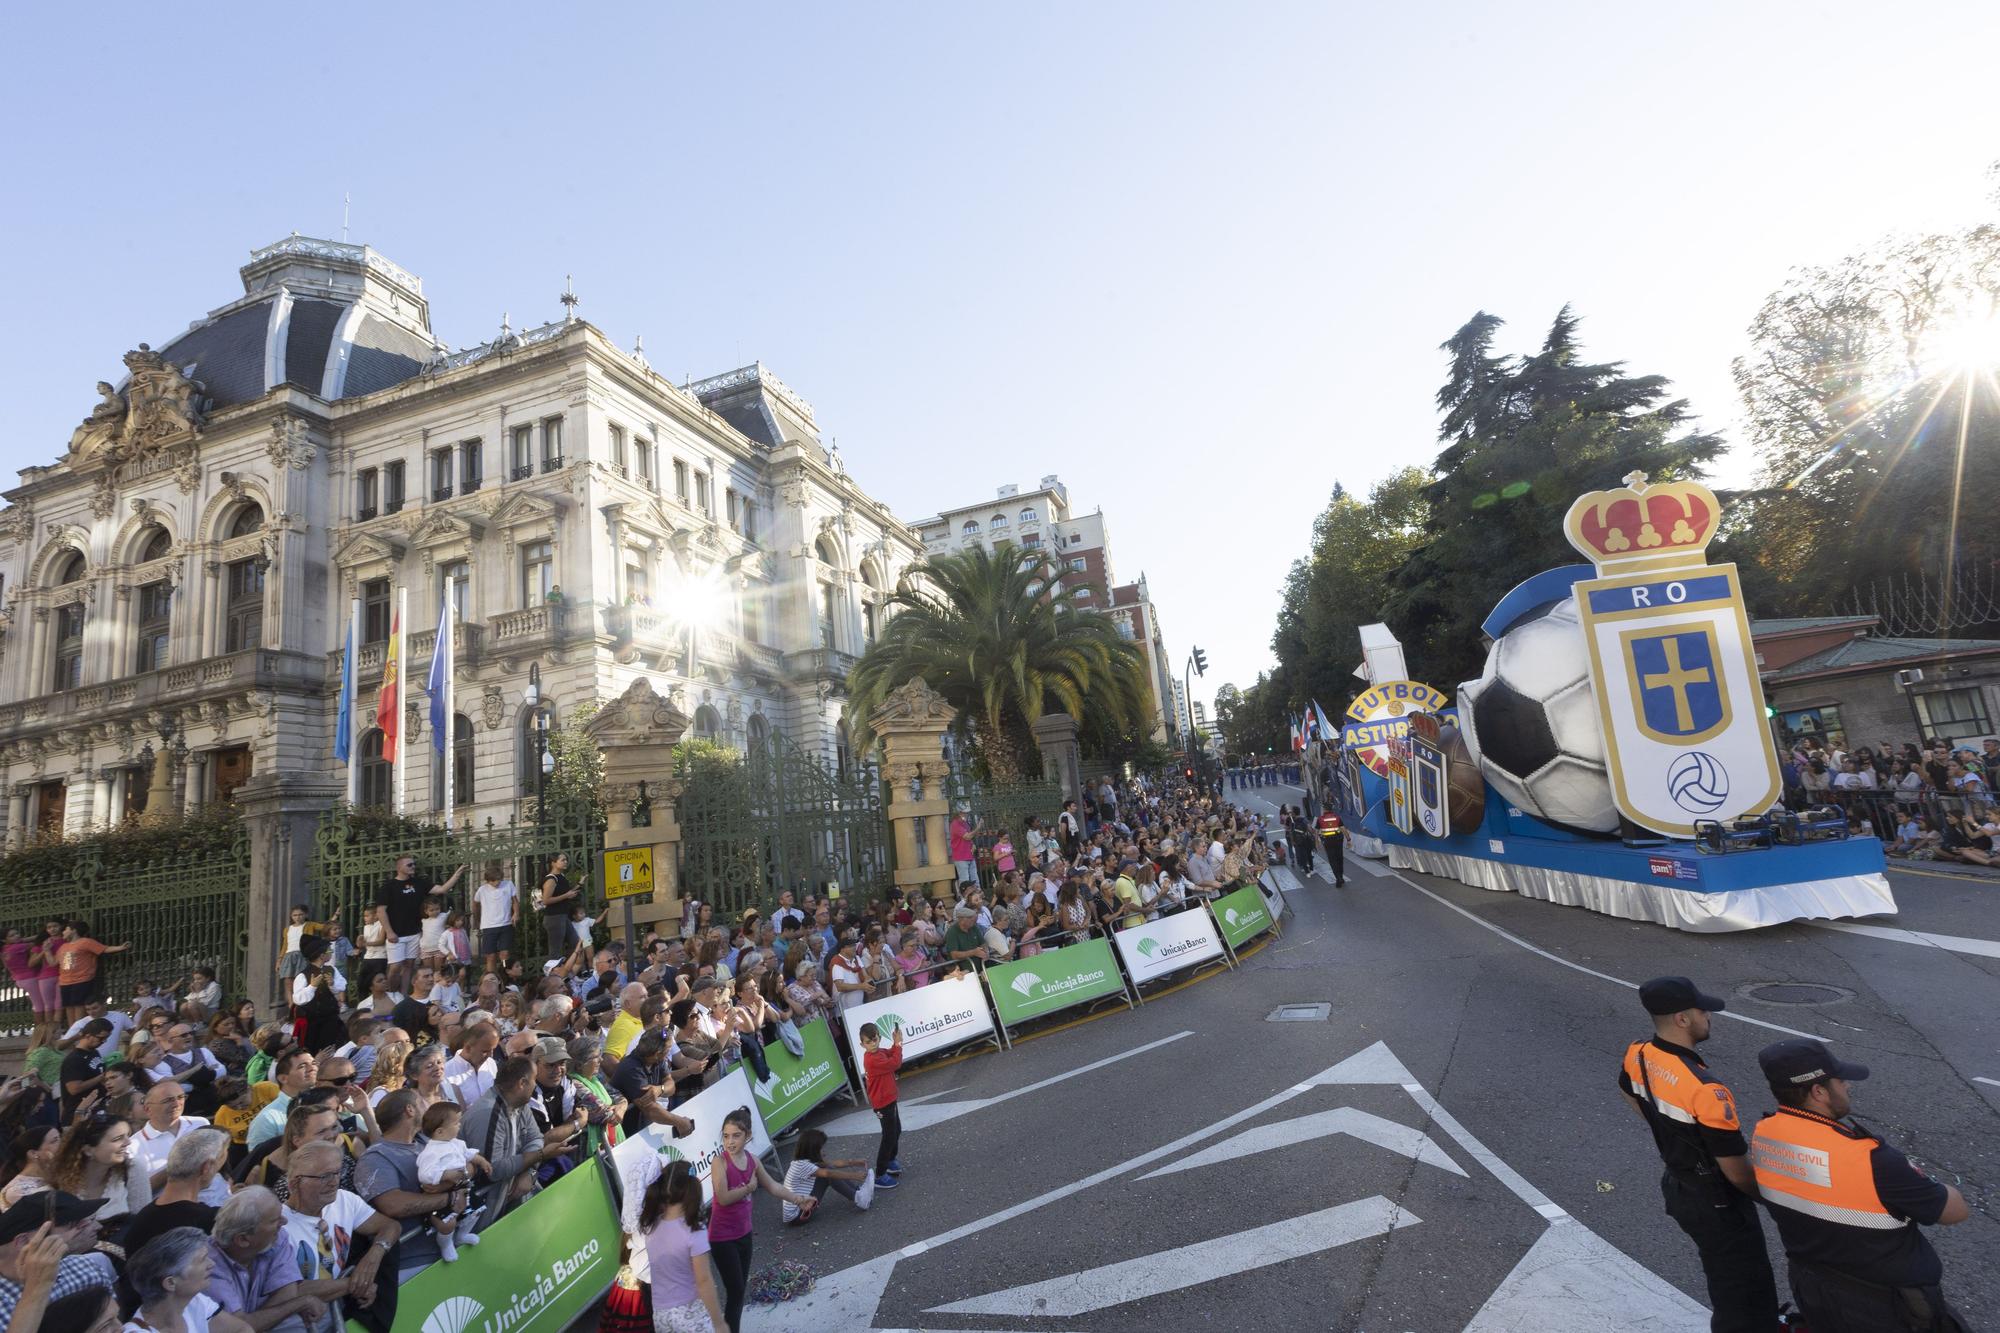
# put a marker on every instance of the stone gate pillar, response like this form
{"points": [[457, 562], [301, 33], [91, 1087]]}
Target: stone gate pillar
{"points": [[912, 722], [1055, 736], [281, 814], [637, 734]]}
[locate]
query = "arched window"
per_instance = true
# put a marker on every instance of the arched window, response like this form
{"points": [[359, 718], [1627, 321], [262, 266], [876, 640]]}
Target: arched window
{"points": [[998, 522], [66, 668], [707, 722], [461, 763], [971, 528], [375, 776], [827, 552], [530, 767], [758, 730], [243, 609], [1030, 516], [248, 519], [156, 616], [155, 544]]}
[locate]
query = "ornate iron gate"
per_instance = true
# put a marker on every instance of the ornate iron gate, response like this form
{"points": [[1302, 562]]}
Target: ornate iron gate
{"points": [[178, 910], [1003, 807], [354, 852], [780, 819]]}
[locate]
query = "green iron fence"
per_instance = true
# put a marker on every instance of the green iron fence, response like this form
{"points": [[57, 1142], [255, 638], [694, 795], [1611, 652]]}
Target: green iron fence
{"points": [[1001, 807], [355, 850], [178, 909], [779, 819]]}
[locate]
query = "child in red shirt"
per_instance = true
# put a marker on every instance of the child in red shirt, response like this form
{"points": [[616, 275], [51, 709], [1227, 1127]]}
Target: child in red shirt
{"points": [[878, 1069]]}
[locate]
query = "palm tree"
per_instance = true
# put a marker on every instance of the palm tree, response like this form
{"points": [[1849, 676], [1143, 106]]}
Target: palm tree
{"points": [[986, 632]]}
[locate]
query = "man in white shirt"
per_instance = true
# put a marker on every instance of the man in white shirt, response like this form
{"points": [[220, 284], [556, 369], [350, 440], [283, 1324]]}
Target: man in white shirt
{"points": [[469, 1074], [120, 1021], [1851, 778], [165, 1126], [334, 1233], [499, 906]]}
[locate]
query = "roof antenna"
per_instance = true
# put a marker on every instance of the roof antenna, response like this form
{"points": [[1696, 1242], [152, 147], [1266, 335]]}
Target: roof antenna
{"points": [[345, 201], [569, 301]]}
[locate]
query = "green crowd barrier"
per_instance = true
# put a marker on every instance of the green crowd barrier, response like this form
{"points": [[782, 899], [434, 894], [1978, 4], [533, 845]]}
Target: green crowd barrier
{"points": [[1241, 916], [536, 1270], [1054, 979], [799, 1082]]}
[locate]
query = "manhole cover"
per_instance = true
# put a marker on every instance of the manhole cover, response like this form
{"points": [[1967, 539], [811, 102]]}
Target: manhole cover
{"points": [[1795, 993], [1299, 1013]]}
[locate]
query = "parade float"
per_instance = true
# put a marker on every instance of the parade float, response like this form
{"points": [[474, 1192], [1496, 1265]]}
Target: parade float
{"points": [[1613, 753]]}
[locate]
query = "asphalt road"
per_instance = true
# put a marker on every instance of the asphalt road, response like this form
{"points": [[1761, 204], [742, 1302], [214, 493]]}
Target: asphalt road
{"points": [[1447, 1150]]}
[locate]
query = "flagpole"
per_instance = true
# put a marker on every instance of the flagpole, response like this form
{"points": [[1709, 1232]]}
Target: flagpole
{"points": [[449, 648], [348, 670], [398, 636]]}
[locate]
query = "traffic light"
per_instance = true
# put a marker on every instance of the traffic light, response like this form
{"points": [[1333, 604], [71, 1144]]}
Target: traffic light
{"points": [[1200, 662], [1188, 772]]}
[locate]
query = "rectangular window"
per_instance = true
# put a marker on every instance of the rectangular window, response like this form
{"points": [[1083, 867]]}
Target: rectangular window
{"points": [[244, 623], [1954, 715], [618, 459], [1076, 563], [868, 620], [753, 627], [680, 481], [457, 585], [523, 453], [156, 611], [392, 487], [375, 611], [729, 505], [69, 647], [552, 454], [826, 615], [471, 466], [644, 448], [701, 492], [538, 573], [365, 494], [441, 473], [638, 585]]}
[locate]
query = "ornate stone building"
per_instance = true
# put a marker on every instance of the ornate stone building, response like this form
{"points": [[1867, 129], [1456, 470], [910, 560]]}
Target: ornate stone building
{"points": [[176, 587]]}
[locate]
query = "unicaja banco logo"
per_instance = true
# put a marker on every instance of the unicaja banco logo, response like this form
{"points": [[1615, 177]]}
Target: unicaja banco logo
{"points": [[454, 1315], [887, 1023], [1229, 915], [1149, 946], [1025, 982], [669, 1153]]}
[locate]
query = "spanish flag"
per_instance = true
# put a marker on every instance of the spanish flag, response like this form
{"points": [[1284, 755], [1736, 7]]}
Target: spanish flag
{"points": [[388, 702]]}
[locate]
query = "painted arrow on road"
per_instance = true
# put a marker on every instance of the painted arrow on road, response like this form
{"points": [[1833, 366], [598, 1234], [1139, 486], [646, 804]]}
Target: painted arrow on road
{"points": [[1383, 1133], [1192, 1265]]}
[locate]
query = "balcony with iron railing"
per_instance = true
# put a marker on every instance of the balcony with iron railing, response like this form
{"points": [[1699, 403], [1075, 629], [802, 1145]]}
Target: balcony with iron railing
{"points": [[129, 697]]}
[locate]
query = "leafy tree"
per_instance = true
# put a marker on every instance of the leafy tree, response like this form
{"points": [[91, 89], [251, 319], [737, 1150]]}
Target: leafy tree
{"points": [[1522, 438], [1227, 700], [982, 630], [578, 774], [1262, 722], [1870, 396]]}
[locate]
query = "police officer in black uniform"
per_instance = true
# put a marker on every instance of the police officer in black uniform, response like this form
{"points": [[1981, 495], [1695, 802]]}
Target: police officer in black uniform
{"points": [[1708, 1184]]}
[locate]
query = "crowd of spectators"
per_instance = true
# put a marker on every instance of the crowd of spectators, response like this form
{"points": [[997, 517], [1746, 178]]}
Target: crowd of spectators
{"points": [[1929, 802], [182, 1159]]}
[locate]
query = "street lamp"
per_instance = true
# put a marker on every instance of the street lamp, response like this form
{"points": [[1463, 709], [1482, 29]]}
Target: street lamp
{"points": [[545, 762], [1197, 665]]}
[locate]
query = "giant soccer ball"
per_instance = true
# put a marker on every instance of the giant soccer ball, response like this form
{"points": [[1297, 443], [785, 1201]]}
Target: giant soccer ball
{"points": [[1531, 722]]}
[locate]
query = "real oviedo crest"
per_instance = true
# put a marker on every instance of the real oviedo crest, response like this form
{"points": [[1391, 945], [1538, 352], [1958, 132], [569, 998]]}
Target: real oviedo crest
{"points": [[1671, 659]]}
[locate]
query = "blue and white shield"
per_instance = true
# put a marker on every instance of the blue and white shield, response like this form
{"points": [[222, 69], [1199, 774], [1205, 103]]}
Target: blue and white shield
{"points": [[1427, 768], [1677, 691]]}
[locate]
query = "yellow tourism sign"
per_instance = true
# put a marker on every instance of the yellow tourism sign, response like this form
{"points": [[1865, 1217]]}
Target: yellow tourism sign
{"points": [[628, 873]]}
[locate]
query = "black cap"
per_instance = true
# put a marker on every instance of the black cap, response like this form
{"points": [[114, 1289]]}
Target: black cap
{"points": [[1796, 1063], [44, 1206], [1670, 995]]}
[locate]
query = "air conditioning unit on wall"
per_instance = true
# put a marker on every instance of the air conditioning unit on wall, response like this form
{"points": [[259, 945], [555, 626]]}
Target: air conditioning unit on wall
{"points": [[1910, 676]]}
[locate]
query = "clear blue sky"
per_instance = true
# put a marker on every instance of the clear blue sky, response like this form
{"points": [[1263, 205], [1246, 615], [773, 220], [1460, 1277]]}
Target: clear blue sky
{"points": [[1195, 259]]}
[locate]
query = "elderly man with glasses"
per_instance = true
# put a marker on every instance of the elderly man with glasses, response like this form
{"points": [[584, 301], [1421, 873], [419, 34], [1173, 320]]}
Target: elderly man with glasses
{"points": [[335, 1235], [256, 1275], [165, 1126]]}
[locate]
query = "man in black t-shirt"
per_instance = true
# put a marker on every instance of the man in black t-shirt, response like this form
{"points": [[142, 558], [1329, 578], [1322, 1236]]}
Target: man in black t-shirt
{"points": [[558, 897], [83, 1068], [642, 1079], [401, 899]]}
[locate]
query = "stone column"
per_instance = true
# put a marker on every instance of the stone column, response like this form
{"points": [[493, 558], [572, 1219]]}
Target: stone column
{"points": [[637, 735], [1055, 736], [121, 779], [911, 723], [100, 797], [160, 789], [17, 814], [281, 814], [197, 781]]}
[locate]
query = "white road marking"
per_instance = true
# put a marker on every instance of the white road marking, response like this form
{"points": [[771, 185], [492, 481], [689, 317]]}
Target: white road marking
{"points": [[1512, 938], [1192, 1265], [1370, 865], [1955, 943], [1976, 1078], [1484, 1155], [1383, 1133], [921, 1113], [1575, 1281]]}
